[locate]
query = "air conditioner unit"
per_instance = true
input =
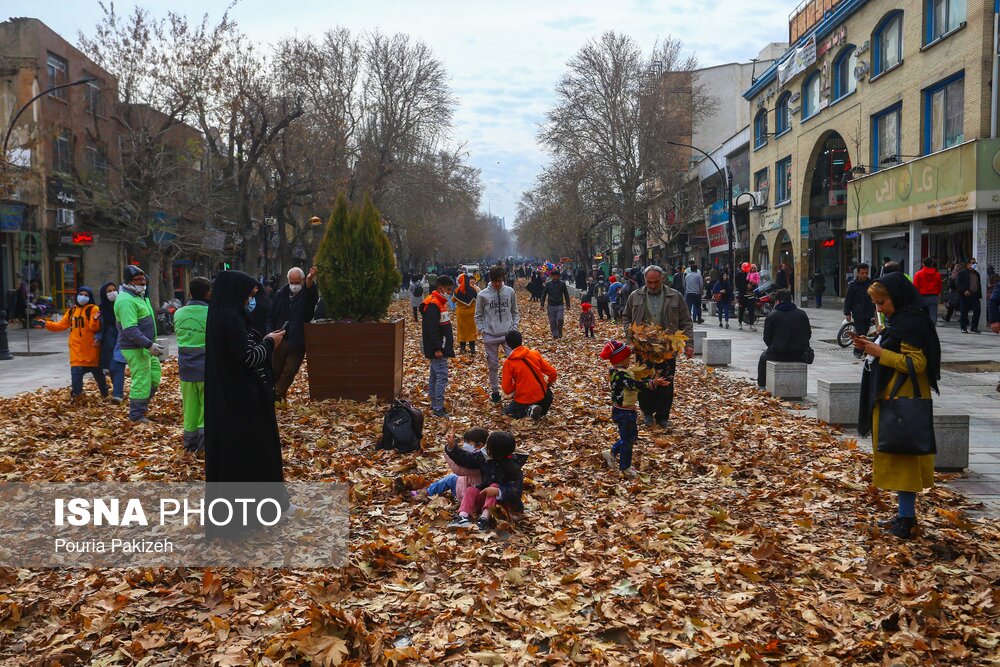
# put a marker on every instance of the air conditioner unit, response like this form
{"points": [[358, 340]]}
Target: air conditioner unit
{"points": [[65, 218], [763, 194]]}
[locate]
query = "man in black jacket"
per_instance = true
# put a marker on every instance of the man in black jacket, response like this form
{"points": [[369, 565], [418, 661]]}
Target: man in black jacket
{"points": [[858, 306], [294, 303], [557, 295], [786, 334], [438, 341], [970, 295]]}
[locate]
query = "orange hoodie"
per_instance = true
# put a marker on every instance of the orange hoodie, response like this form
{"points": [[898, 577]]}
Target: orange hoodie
{"points": [[82, 351], [518, 379]]}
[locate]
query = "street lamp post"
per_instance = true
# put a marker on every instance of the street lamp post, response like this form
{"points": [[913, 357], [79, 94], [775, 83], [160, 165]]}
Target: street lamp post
{"points": [[727, 184], [3, 159], [736, 203]]}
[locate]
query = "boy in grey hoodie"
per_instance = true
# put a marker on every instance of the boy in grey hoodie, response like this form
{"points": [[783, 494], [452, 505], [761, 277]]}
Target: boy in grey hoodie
{"points": [[496, 314]]}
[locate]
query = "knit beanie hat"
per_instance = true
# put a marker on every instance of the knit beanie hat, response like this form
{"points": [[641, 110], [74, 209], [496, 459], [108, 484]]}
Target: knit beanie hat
{"points": [[131, 271], [615, 352], [585, 306]]}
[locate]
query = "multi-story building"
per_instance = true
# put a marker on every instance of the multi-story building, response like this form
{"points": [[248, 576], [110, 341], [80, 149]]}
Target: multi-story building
{"points": [[872, 138], [63, 134]]}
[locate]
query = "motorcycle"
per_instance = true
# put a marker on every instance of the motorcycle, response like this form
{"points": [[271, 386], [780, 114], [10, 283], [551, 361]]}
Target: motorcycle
{"points": [[165, 316], [844, 336]]}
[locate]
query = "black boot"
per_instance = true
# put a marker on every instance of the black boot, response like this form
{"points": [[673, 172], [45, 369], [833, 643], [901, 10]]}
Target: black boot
{"points": [[472, 347], [903, 527], [461, 348]]}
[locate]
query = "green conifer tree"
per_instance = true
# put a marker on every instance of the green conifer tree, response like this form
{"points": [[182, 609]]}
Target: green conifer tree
{"points": [[357, 267]]}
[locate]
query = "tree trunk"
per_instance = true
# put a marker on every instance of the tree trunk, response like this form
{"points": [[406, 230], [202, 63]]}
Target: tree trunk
{"points": [[154, 279]]}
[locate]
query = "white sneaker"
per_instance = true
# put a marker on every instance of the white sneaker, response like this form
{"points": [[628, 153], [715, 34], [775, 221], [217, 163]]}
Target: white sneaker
{"points": [[609, 459], [630, 472], [535, 412]]}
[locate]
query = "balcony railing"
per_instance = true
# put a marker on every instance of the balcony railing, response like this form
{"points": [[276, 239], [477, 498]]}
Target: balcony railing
{"points": [[806, 15]]}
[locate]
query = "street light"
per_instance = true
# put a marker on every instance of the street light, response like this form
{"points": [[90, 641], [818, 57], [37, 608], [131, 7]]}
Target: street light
{"points": [[727, 184], [753, 207], [3, 156]]}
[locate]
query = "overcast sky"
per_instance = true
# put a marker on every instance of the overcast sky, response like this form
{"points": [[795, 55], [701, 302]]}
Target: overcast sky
{"points": [[504, 58]]}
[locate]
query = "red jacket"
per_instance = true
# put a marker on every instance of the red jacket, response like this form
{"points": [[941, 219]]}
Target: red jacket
{"points": [[927, 281], [519, 380]]}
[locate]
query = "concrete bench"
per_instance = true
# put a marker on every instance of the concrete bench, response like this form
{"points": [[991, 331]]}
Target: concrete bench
{"points": [[951, 432], [837, 401], [718, 352], [699, 341], [786, 379]]}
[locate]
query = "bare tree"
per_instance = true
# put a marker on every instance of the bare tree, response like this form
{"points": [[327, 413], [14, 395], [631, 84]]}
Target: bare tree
{"points": [[617, 110]]}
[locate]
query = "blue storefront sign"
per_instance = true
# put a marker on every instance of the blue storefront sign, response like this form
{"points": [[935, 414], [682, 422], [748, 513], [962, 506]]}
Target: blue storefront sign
{"points": [[11, 217]]}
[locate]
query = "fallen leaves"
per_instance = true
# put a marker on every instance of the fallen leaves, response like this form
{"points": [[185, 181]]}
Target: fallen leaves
{"points": [[746, 540]]}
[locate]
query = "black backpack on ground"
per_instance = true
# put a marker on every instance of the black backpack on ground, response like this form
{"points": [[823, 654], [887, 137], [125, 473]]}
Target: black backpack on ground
{"points": [[402, 428]]}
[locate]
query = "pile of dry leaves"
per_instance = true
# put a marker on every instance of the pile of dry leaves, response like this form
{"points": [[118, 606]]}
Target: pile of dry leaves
{"points": [[746, 540]]}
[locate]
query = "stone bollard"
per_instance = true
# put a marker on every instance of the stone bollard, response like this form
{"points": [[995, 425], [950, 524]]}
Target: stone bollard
{"points": [[787, 379], [4, 343], [718, 352], [699, 341], [951, 432], [837, 402]]}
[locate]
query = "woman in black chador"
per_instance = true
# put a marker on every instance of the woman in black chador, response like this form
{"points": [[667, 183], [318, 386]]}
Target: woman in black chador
{"points": [[241, 430]]}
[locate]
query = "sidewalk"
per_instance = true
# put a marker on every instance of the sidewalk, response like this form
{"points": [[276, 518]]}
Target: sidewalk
{"points": [[48, 367], [961, 393]]}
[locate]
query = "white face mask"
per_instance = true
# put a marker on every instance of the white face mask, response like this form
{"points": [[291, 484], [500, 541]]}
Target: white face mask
{"points": [[294, 289], [112, 295], [975, 267], [82, 299]]}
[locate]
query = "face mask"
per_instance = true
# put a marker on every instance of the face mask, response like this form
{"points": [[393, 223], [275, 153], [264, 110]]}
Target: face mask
{"points": [[112, 296], [294, 289], [140, 290], [975, 266], [251, 304], [82, 299]]}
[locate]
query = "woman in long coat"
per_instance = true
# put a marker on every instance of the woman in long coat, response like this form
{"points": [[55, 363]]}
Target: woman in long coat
{"points": [[465, 312], [241, 430], [909, 334]]}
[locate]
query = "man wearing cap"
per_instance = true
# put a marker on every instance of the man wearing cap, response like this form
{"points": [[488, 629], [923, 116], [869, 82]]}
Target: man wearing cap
{"points": [[659, 305], [137, 341]]}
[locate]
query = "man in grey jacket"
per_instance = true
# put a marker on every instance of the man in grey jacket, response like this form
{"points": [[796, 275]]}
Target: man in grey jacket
{"points": [[496, 314], [694, 287]]}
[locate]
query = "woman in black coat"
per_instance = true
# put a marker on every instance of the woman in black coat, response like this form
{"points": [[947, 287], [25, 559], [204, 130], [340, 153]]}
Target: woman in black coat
{"points": [[241, 430]]}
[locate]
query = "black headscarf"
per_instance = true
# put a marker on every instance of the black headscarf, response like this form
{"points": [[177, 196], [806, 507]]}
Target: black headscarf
{"points": [[107, 306], [908, 324]]}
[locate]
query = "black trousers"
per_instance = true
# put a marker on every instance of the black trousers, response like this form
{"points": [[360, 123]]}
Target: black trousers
{"points": [[604, 309], [773, 356], [658, 401]]}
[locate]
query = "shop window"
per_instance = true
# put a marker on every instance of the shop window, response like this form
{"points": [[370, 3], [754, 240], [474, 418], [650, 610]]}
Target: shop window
{"points": [[782, 115], [944, 114], [810, 96], [844, 81], [760, 128], [886, 137], [783, 181], [941, 17], [888, 43]]}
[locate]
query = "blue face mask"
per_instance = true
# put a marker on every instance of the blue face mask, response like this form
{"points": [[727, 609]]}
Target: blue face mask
{"points": [[251, 304]]}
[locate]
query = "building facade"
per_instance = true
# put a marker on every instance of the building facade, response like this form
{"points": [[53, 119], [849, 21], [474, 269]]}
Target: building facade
{"points": [[871, 138]]}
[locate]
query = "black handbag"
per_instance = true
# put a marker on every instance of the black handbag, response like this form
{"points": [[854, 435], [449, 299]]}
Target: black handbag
{"points": [[906, 425], [548, 390]]}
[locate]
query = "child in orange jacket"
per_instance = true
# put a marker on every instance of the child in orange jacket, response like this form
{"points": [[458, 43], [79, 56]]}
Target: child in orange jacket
{"points": [[528, 377], [84, 322]]}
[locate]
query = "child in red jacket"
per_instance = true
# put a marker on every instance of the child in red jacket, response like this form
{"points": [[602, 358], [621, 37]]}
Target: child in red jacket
{"points": [[587, 320]]}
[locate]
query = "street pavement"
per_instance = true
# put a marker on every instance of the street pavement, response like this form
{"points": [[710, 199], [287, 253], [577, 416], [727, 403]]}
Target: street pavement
{"points": [[961, 393]]}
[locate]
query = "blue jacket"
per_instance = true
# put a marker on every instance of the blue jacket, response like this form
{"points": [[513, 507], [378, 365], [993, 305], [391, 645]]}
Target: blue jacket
{"points": [[993, 307]]}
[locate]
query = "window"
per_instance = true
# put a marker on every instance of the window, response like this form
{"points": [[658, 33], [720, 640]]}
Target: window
{"points": [[57, 70], [944, 114], [810, 96], [760, 128], [888, 41], [844, 81], [62, 152], [92, 98], [97, 165], [783, 181], [941, 17], [760, 184], [782, 117], [886, 137]]}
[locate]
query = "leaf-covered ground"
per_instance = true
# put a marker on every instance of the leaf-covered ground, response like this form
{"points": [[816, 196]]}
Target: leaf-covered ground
{"points": [[747, 539]]}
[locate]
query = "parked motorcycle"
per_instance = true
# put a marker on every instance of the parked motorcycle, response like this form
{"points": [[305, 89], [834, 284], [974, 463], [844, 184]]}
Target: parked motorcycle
{"points": [[165, 316], [844, 336]]}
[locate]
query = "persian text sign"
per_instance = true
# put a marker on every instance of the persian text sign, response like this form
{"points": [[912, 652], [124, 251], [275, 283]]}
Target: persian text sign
{"points": [[152, 524], [803, 58], [956, 180]]}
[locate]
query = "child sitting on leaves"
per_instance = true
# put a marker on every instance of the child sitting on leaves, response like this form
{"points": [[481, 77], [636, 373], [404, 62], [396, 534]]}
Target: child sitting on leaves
{"points": [[501, 482], [460, 478], [624, 395], [587, 320]]}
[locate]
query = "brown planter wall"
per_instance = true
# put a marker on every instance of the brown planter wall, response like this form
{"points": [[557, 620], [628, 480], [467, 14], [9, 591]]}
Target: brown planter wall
{"points": [[355, 360]]}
